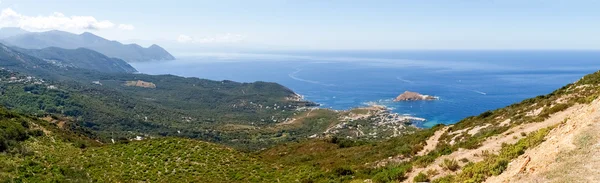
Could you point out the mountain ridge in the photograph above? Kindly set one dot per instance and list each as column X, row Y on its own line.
column 66, row 40
column 11, row 31
column 81, row 58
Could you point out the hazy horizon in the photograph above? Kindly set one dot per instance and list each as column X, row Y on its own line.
column 189, row 26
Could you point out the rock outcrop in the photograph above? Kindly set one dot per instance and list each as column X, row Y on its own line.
column 411, row 96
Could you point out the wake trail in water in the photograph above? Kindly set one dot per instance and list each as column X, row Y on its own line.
column 474, row 91
column 293, row 76
column 480, row 92
column 405, row 80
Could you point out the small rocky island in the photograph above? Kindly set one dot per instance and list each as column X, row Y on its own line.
column 412, row 96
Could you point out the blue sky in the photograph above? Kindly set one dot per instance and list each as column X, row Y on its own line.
column 321, row 24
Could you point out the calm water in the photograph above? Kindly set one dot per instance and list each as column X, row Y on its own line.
column 467, row 82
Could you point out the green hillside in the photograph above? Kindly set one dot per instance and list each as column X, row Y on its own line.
column 71, row 124
column 80, row 58
column 33, row 150
column 49, row 150
column 173, row 106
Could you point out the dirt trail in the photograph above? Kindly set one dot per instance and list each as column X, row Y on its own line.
column 432, row 141
column 296, row 119
column 493, row 144
column 571, row 153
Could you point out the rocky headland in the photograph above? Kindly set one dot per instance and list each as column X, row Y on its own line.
column 412, row 96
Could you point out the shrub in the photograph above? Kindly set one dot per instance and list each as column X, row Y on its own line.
column 432, row 172
column 11, row 133
column 421, row 178
column 557, row 108
column 423, row 161
column 343, row 171
column 392, row 173
column 345, row 143
column 486, row 114
column 450, row 164
column 445, row 179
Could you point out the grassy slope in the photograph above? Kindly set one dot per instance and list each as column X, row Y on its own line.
column 55, row 157
column 160, row 160
column 40, row 151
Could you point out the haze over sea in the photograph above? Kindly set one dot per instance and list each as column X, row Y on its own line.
column 467, row 82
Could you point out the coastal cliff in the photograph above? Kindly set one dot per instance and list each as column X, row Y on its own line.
column 411, row 96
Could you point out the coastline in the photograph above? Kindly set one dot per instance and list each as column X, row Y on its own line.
column 373, row 121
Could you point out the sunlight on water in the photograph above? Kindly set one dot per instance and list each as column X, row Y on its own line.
column 467, row 83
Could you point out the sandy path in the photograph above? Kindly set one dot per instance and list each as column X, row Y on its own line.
column 432, row 141
column 571, row 153
column 493, row 144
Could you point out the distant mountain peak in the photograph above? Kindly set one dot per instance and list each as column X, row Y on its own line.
column 11, row 31
column 54, row 32
column 89, row 34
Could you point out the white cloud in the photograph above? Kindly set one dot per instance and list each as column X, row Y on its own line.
column 184, row 39
column 220, row 38
column 126, row 27
column 57, row 20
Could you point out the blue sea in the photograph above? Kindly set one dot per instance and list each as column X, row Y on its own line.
column 467, row 82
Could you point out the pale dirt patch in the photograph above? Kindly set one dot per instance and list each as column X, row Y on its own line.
column 505, row 122
column 363, row 112
column 455, row 133
column 571, row 152
column 432, row 142
column 535, row 112
column 459, row 131
column 494, row 143
column 477, row 129
column 140, row 83
column 583, row 86
column 61, row 124
column 296, row 119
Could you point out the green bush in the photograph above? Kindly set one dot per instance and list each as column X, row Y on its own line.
column 557, row 108
column 423, row 161
column 445, row 179
column 343, row 171
column 11, row 132
column 421, row 177
column 485, row 114
column 450, row 164
column 392, row 173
